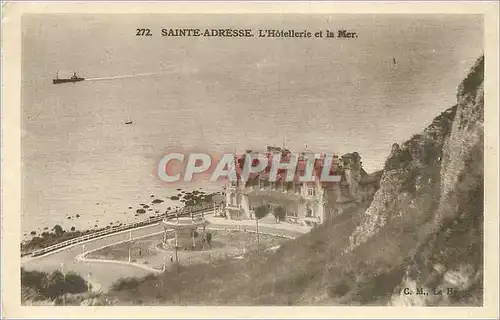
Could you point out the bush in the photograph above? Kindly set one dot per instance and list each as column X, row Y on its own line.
column 54, row 284
column 261, row 211
column 279, row 213
column 129, row 283
column 74, row 283
column 363, row 290
column 32, row 279
column 48, row 239
column 58, row 230
column 338, row 289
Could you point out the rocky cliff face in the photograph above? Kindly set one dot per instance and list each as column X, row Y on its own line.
column 432, row 186
column 460, row 156
column 451, row 260
column 410, row 180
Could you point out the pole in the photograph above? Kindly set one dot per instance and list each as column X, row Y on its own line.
column 204, row 238
column 88, row 283
column 129, row 244
column 176, row 255
column 192, row 235
column 257, row 221
column 64, row 283
column 176, row 260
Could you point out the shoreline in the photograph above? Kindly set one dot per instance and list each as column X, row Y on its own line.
column 144, row 214
column 98, row 212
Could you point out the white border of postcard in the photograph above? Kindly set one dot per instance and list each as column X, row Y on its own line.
column 11, row 151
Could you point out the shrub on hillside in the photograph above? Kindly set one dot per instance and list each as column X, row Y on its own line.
column 53, row 285
column 74, row 283
column 49, row 238
column 279, row 213
column 129, row 283
column 338, row 288
column 261, row 211
column 58, row 230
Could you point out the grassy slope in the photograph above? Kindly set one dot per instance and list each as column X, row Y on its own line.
column 309, row 269
column 279, row 278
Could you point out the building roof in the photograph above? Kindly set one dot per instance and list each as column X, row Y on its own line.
column 185, row 222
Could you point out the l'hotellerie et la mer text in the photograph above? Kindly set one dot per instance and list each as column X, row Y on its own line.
column 249, row 33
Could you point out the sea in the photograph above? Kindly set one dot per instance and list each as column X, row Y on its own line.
column 79, row 157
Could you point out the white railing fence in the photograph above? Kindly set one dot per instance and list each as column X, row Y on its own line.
column 150, row 220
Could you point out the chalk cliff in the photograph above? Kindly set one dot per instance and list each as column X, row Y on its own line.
column 432, row 188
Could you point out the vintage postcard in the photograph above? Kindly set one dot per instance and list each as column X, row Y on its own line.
column 249, row 160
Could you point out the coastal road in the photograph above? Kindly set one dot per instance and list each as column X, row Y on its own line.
column 104, row 274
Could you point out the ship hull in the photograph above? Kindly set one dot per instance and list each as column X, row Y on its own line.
column 58, row 81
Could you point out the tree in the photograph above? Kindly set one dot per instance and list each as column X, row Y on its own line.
column 74, row 283
column 53, row 284
column 260, row 212
column 209, row 239
column 73, row 229
column 279, row 213
column 58, row 230
column 32, row 279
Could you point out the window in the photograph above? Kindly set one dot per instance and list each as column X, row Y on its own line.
column 309, row 212
column 291, row 214
column 311, row 192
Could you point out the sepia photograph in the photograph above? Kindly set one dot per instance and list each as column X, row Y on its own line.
column 253, row 159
